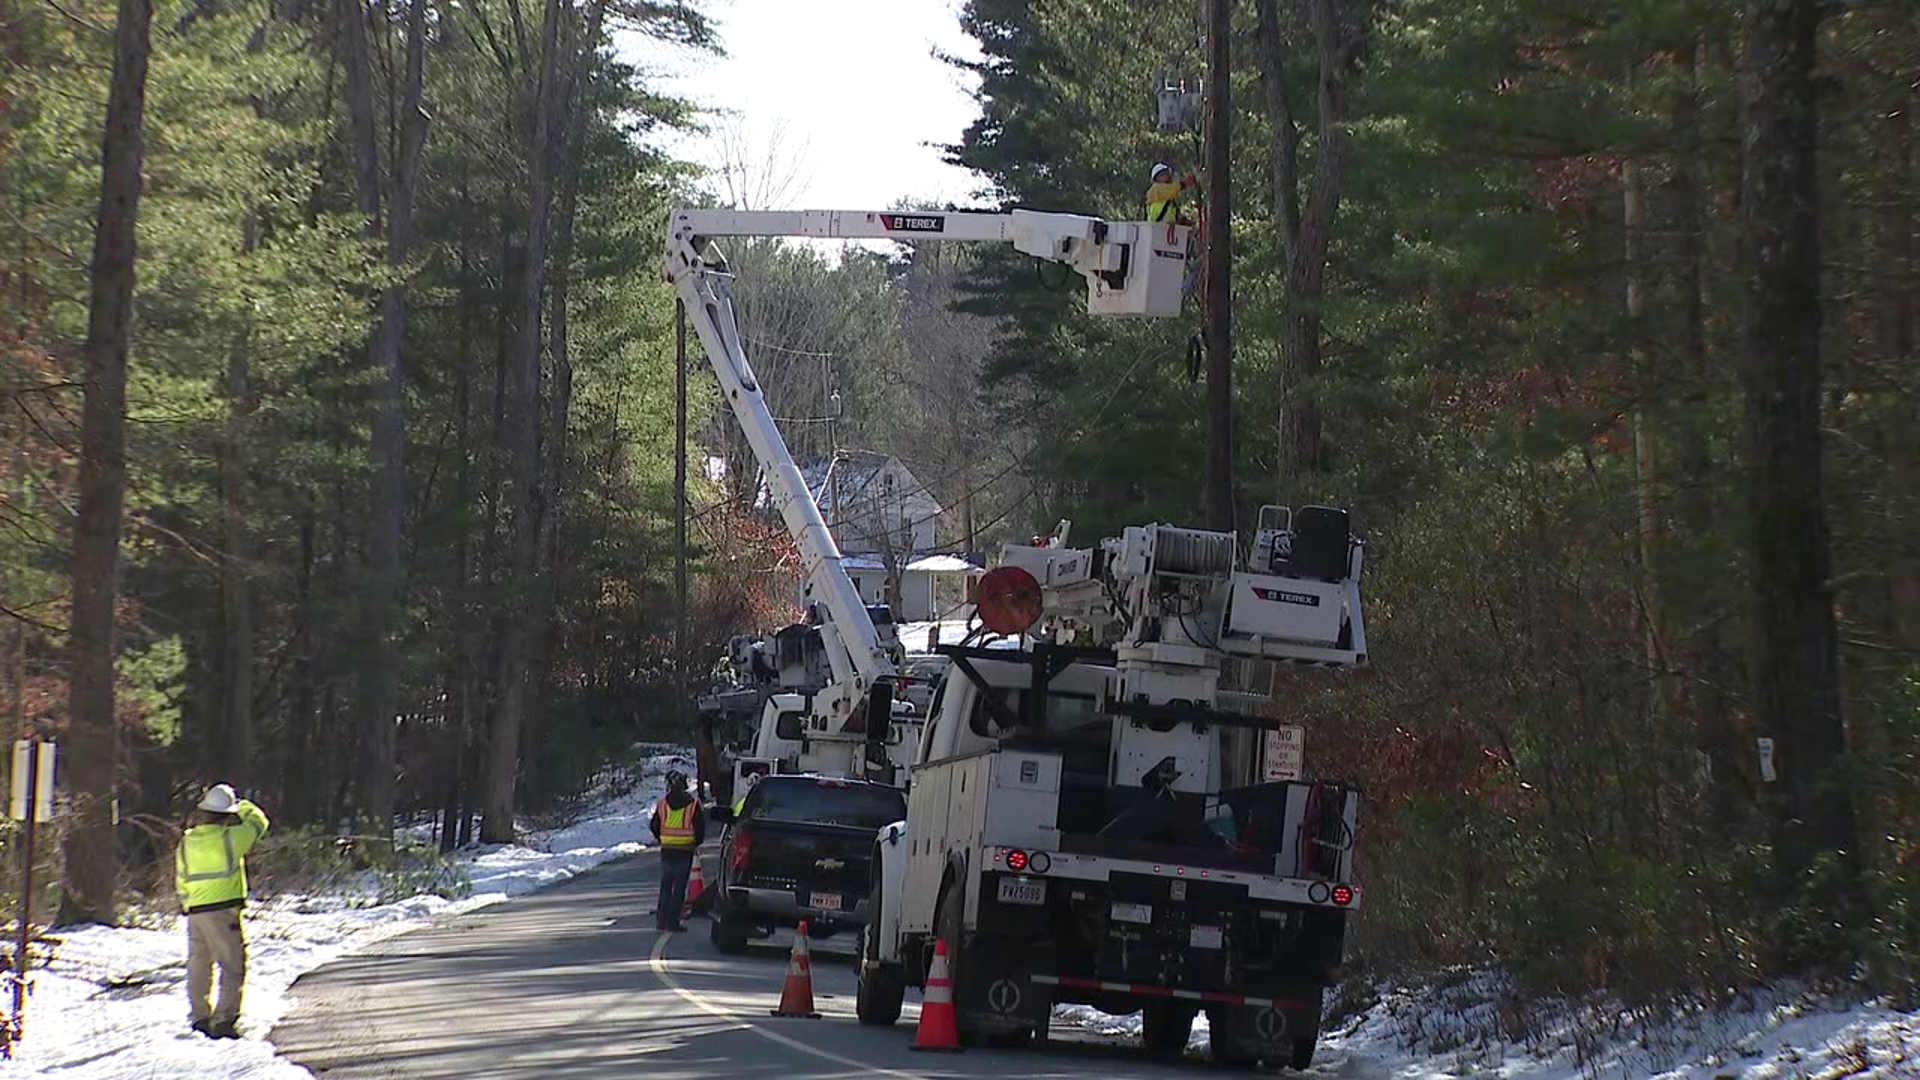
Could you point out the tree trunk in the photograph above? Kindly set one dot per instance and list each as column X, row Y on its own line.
column 1693, row 454
column 236, row 601
column 1896, row 334
column 1306, row 237
column 1796, row 651
column 299, row 790
column 517, row 639
column 91, row 865
column 561, row 398
column 462, row 592
column 386, row 582
column 1633, row 197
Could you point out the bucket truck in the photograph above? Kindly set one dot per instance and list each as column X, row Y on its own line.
column 1089, row 819
column 841, row 722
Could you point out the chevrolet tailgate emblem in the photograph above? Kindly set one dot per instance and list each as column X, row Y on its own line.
column 827, row 864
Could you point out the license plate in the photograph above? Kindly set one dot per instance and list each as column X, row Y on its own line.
column 1133, row 913
column 1022, row 891
column 1205, row 937
column 824, row 901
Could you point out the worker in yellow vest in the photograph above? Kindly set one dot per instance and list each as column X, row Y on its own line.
column 210, row 871
column 740, row 804
column 680, row 827
column 1163, row 195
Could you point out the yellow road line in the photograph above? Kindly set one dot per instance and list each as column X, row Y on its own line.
column 658, row 961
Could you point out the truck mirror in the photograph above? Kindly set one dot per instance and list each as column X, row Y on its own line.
column 880, row 711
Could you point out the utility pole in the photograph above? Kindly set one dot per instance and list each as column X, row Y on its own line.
column 1219, row 268
column 680, row 523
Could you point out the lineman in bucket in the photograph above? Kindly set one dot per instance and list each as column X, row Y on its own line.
column 210, row 871
column 680, row 827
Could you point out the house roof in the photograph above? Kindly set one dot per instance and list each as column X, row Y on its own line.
column 931, row 564
column 857, row 474
column 942, row 564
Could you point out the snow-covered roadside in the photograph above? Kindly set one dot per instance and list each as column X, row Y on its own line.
column 920, row 637
column 112, row 1006
column 1442, row 1035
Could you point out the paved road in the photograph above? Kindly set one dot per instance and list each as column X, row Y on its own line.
column 574, row 983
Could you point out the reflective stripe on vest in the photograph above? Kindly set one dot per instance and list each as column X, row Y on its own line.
column 676, row 826
column 233, row 864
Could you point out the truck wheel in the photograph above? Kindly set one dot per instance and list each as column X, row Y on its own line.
column 948, row 920
column 881, row 988
column 1233, row 1059
column 1008, row 1040
column 729, row 931
column 1303, row 1052
column 1306, row 1036
column 1222, row 1047
column 1165, row 1028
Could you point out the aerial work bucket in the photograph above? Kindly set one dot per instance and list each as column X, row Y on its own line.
column 1151, row 283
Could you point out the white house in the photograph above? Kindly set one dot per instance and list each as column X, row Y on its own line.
column 882, row 516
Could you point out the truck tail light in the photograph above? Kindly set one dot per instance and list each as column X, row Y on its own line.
column 1016, row 859
column 742, row 850
column 1343, row 895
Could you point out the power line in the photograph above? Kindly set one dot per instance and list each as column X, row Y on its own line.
column 771, row 347
column 1106, row 403
column 1112, row 396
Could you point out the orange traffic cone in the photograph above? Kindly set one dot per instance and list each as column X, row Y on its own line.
column 938, row 1027
column 796, row 998
column 696, row 888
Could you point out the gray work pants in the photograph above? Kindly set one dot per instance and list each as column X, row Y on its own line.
column 676, row 866
column 214, row 937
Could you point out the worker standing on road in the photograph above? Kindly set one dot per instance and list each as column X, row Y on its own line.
column 210, row 871
column 740, row 804
column 680, row 827
column 1163, row 195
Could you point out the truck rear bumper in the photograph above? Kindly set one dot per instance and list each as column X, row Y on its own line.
column 1071, row 984
column 784, row 908
column 997, row 995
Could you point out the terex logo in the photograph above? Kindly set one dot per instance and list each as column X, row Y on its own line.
column 913, row 222
column 1285, row 597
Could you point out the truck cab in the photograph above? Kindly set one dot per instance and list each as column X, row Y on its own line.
column 798, row 850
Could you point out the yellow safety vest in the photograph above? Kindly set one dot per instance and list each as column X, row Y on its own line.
column 1161, row 199
column 740, row 806
column 209, row 866
column 676, row 826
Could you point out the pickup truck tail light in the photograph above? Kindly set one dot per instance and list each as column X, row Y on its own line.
column 742, row 850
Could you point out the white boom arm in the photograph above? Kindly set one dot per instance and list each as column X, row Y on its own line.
column 1132, row 268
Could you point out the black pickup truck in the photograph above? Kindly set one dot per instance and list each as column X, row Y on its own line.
column 800, row 849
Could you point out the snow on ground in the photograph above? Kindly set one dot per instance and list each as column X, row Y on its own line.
column 112, row 1005
column 920, row 637
column 1444, row 1034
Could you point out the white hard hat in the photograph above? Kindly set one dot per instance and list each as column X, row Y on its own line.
column 1160, row 167
column 219, row 799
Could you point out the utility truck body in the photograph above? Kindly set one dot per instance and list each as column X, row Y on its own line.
column 1087, row 824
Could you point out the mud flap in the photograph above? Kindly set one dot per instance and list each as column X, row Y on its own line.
column 1264, row 1032
column 998, row 997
